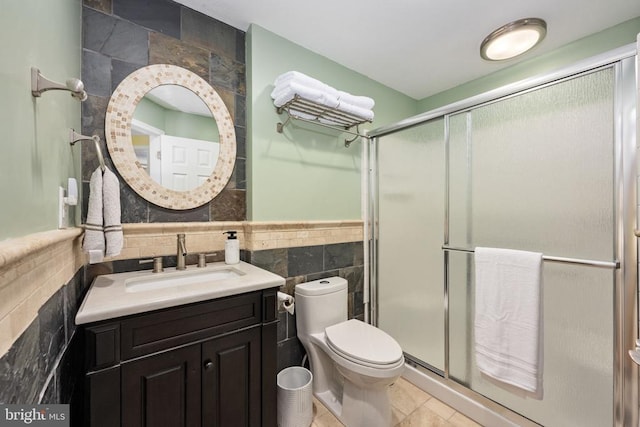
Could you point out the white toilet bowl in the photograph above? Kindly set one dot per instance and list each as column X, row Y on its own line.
column 353, row 363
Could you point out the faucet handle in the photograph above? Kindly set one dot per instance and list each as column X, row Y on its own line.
column 157, row 263
column 202, row 259
column 182, row 244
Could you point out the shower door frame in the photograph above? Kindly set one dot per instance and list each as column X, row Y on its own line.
column 625, row 310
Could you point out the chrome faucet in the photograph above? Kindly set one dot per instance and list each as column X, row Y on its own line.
column 182, row 253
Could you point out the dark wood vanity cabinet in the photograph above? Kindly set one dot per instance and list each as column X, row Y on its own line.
column 208, row 364
column 163, row 389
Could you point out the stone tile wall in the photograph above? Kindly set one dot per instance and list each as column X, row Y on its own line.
column 41, row 285
column 44, row 365
column 120, row 36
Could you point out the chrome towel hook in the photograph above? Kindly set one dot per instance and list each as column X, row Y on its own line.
column 40, row 84
column 75, row 137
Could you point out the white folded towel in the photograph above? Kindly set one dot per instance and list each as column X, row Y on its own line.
column 356, row 100
column 354, row 110
column 508, row 320
column 286, row 94
column 305, row 80
column 103, row 229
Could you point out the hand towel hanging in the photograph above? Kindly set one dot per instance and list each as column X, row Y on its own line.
column 93, row 242
column 103, row 231
column 111, row 213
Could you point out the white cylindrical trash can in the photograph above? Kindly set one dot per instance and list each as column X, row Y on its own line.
column 295, row 397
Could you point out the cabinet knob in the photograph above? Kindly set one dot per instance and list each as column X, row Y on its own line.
column 208, row 365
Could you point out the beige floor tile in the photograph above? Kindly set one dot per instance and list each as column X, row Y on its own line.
column 440, row 408
column 406, row 397
column 424, row 417
column 326, row 420
column 397, row 416
column 459, row 420
column 422, row 410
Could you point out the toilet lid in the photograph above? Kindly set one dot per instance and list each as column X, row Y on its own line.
column 362, row 342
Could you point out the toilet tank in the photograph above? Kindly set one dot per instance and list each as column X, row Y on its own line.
column 319, row 304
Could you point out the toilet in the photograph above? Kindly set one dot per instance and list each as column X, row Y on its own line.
column 352, row 362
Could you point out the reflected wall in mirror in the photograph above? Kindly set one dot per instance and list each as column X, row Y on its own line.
column 170, row 136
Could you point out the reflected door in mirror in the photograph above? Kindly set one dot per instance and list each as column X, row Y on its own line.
column 175, row 137
column 184, row 163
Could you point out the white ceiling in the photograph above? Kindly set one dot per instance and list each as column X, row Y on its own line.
column 178, row 98
column 418, row 47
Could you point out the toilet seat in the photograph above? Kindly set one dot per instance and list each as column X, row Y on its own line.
column 363, row 344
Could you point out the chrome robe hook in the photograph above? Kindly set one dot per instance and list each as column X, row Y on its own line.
column 40, row 84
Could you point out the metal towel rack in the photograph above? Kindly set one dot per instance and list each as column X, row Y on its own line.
column 589, row 262
column 75, row 137
column 321, row 115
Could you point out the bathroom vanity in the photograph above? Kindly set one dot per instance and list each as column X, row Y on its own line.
column 210, row 361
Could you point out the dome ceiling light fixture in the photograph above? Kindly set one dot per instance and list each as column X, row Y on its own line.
column 513, row 39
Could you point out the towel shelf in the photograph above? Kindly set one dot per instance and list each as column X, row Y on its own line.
column 588, row 262
column 321, row 115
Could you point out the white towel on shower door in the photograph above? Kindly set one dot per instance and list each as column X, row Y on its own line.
column 508, row 319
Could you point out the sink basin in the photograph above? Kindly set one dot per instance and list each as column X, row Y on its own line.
column 123, row 294
column 155, row 281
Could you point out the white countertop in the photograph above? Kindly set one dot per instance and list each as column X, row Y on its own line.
column 109, row 297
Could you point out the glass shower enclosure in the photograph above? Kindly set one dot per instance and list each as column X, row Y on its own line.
column 547, row 167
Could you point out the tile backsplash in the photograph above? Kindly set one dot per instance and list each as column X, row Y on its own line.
column 41, row 285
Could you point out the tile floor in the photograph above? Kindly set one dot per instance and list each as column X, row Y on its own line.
column 412, row 407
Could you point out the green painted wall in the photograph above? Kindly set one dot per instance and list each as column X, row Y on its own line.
column 305, row 173
column 584, row 48
column 176, row 123
column 36, row 156
column 150, row 113
column 191, row 126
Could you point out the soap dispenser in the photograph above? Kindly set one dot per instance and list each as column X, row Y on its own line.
column 231, row 248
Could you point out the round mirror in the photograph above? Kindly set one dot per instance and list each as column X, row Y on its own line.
column 170, row 136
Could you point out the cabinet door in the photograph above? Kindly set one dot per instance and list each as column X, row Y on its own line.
column 102, row 398
column 231, row 381
column 162, row 390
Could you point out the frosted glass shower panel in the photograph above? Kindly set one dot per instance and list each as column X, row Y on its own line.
column 536, row 172
column 411, row 187
column 460, row 174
